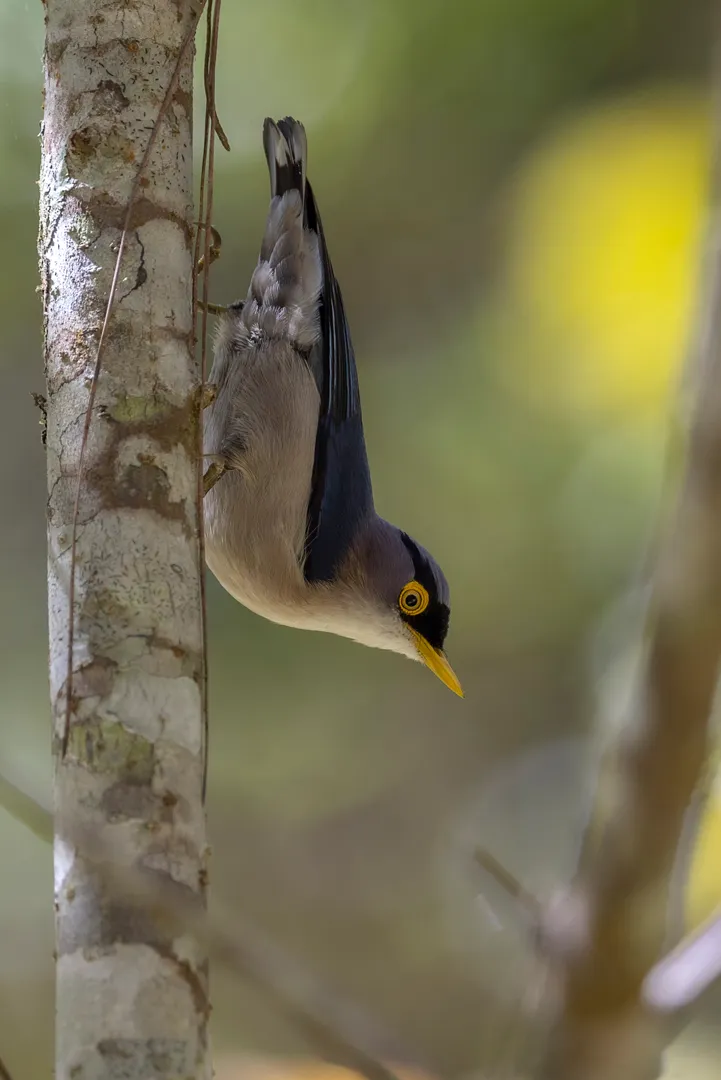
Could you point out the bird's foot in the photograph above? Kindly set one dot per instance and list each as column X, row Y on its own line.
column 213, row 253
column 212, row 475
column 212, row 309
column 208, row 394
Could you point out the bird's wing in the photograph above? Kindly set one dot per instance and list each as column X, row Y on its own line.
column 341, row 497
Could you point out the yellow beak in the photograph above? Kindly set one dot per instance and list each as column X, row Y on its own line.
column 436, row 660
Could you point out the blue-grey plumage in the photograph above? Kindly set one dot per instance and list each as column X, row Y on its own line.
column 291, row 527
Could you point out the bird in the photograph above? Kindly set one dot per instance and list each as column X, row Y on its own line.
column 291, row 529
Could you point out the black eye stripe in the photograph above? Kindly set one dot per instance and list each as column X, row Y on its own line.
column 422, row 572
column 433, row 622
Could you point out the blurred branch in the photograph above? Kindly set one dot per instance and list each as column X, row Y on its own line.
column 511, row 886
column 338, row 1031
column 4, row 1071
column 25, row 810
column 688, row 971
column 612, row 927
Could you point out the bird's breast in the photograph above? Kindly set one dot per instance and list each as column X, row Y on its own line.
column 263, row 423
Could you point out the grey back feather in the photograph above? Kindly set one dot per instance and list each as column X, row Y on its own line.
column 282, row 300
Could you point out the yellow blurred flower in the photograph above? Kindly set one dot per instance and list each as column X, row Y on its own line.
column 604, row 251
column 703, row 894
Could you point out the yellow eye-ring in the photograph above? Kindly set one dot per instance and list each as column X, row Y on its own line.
column 413, row 599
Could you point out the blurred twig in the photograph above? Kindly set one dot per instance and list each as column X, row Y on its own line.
column 688, row 971
column 4, row 1071
column 621, row 895
column 25, row 810
column 338, row 1031
column 202, row 263
column 525, row 900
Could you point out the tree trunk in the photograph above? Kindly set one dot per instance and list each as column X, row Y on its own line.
column 131, row 998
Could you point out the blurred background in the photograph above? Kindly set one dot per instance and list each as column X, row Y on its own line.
column 513, row 192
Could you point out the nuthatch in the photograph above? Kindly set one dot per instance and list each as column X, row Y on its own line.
column 291, row 529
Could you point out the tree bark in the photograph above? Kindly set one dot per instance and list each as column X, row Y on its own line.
column 131, row 998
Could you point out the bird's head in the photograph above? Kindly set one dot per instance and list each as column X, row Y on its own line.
column 406, row 601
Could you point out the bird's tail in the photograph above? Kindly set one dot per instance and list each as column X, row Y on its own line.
column 283, row 296
column 286, row 151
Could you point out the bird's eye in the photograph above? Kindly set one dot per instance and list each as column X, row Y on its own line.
column 413, row 599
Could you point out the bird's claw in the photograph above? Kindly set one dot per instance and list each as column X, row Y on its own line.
column 213, row 251
column 212, row 475
column 208, row 394
column 212, row 309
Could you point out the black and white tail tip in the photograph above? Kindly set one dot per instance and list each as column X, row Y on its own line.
column 286, row 150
